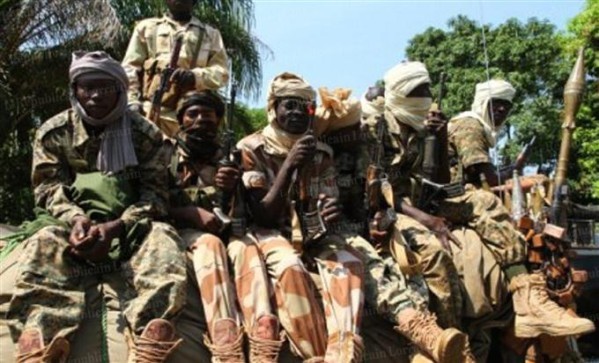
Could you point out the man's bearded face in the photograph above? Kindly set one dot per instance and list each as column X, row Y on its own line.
column 98, row 97
column 499, row 109
column 292, row 115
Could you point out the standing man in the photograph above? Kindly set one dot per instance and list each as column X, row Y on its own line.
column 100, row 169
column 202, row 60
column 286, row 172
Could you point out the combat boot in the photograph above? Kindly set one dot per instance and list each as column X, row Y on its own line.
column 441, row 345
column 155, row 343
column 344, row 347
column 31, row 348
column 227, row 342
column 537, row 314
column 265, row 341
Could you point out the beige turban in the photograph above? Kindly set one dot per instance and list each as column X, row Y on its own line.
column 117, row 149
column 399, row 82
column 485, row 91
column 374, row 107
column 285, row 84
column 337, row 111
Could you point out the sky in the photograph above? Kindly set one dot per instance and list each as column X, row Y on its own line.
column 352, row 43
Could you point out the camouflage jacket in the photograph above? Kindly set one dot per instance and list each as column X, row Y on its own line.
column 202, row 52
column 402, row 157
column 63, row 148
column 260, row 170
column 193, row 183
column 467, row 146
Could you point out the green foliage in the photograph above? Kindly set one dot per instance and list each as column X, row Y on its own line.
column 537, row 61
column 583, row 31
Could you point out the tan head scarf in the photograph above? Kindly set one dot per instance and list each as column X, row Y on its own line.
column 279, row 142
column 117, row 150
column 485, row 91
column 399, row 82
column 337, row 111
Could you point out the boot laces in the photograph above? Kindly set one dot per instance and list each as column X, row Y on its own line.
column 545, row 300
column 264, row 350
column 147, row 350
column 424, row 329
column 35, row 354
column 228, row 353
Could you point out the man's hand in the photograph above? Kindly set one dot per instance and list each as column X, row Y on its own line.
column 226, row 178
column 302, row 152
column 101, row 236
column 440, row 228
column 80, row 237
column 205, row 220
column 184, row 79
column 376, row 234
column 435, row 121
column 330, row 208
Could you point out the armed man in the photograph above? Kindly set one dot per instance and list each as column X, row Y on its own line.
column 407, row 102
column 483, row 212
column 201, row 180
column 290, row 181
column 160, row 72
column 100, row 171
column 394, row 285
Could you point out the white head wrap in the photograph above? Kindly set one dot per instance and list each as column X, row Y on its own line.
column 336, row 111
column 374, row 107
column 117, row 150
column 485, row 91
column 399, row 82
column 284, row 85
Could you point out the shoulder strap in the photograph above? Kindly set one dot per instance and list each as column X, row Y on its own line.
column 196, row 52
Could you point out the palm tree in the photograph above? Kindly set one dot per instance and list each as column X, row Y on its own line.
column 37, row 38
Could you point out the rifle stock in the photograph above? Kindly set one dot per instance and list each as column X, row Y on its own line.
column 165, row 81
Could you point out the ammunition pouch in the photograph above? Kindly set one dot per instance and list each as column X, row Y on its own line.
column 152, row 74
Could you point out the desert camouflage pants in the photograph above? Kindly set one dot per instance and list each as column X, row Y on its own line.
column 438, row 269
column 214, row 281
column 252, row 283
column 300, row 313
column 483, row 212
column 386, row 287
column 49, row 292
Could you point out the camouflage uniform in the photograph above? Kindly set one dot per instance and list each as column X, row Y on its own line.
column 150, row 50
column 338, row 265
column 49, row 293
column 196, row 186
column 480, row 210
column 401, row 161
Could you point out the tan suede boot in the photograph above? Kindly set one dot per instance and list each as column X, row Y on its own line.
column 344, row 347
column 155, row 343
column 227, row 342
column 31, row 348
column 442, row 346
column 537, row 314
column 265, row 341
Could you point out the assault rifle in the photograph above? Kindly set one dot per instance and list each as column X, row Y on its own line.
column 231, row 209
column 379, row 194
column 165, row 81
column 435, row 182
column 309, row 206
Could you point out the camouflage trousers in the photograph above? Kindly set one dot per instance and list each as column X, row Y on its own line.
column 438, row 269
column 49, row 292
column 483, row 212
column 215, row 284
column 300, row 313
column 386, row 288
